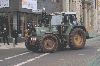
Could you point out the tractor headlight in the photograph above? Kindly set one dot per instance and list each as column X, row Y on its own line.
column 33, row 38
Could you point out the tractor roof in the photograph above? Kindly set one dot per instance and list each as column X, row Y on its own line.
column 63, row 13
column 69, row 12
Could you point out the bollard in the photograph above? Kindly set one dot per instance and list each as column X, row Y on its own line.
column 14, row 42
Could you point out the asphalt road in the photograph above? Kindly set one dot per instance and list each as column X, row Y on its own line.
column 89, row 56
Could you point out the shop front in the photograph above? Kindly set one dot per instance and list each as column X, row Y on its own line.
column 20, row 21
column 16, row 13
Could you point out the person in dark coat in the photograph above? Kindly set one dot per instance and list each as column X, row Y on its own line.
column 5, row 35
column 15, row 35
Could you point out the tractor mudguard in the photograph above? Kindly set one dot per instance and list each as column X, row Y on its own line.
column 82, row 27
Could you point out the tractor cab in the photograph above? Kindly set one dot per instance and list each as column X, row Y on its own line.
column 63, row 21
column 70, row 17
column 61, row 18
column 64, row 17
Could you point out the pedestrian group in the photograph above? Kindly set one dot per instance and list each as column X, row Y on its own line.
column 5, row 35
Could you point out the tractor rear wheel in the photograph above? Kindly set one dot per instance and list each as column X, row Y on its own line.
column 49, row 43
column 77, row 39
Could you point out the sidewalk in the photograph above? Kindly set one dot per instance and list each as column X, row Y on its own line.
column 93, row 39
column 22, row 44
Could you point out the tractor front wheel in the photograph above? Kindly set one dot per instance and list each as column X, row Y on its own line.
column 77, row 39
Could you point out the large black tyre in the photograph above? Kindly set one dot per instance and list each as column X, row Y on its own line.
column 30, row 47
column 77, row 38
column 49, row 43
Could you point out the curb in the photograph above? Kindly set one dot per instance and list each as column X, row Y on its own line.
column 93, row 39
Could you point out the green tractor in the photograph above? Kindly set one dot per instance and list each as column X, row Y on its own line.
column 56, row 31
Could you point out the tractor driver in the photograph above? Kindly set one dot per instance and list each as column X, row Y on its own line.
column 73, row 19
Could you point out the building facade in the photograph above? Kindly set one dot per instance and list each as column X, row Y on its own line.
column 16, row 15
column 19, row 12
column 98, row 15
column 91, row 17
column 50, row 5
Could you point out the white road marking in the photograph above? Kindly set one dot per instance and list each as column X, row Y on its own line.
column 98, row 50
column 1, row 60
column 62, row 59
column 81, row 54
column 22, row 63
column 16, row 55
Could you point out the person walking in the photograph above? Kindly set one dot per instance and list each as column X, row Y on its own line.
column 5, row 35
column 15, row 35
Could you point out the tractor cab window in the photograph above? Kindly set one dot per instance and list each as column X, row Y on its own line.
column 56, row 20
column 73, row 19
